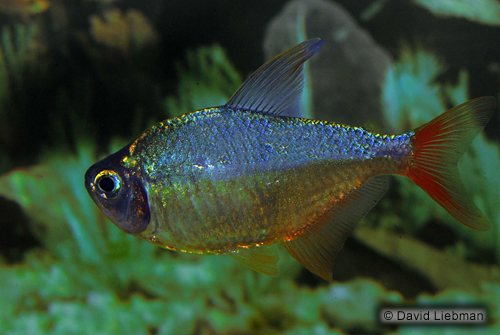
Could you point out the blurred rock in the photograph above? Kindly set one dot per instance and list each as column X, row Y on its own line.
column 348, row 74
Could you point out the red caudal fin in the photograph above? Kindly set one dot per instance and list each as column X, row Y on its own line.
column 437, row 146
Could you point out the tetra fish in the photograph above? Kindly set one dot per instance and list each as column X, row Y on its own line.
column 241, row 177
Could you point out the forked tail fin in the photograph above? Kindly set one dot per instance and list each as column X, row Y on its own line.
column 437, row 146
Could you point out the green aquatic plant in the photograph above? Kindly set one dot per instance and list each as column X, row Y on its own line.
column 18, row 55
column 413, row 96
column 126, row 33
column 317, row 329
column 482, row 11
column 208, row 79
column 4, row 77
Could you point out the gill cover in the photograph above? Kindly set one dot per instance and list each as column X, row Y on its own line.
column 119, row 192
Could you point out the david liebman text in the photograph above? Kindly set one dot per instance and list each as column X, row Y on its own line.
column 433, row 315
column 441, row 315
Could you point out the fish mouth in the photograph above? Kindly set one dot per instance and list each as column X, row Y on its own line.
column 89, row 182
column 91, row 189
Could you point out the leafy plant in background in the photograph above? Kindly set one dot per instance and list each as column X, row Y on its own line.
column 19, row 56
column 132, row 32
column 208, row 79
column 482, row 11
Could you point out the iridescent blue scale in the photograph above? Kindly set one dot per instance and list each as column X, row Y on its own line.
column 204, row 144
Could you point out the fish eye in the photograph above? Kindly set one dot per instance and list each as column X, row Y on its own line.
column 108, row 183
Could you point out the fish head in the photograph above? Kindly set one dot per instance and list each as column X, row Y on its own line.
column 118, row 190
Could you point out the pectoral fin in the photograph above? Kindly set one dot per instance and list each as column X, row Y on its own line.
column 261, row 259
column 316, row 247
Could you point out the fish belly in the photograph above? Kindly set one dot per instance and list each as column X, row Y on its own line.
column 225, row 215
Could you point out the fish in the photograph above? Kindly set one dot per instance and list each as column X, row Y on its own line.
column 24, row 6
column 241, row 178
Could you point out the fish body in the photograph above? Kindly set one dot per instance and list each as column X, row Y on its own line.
column 222, row 179
column 241, row 177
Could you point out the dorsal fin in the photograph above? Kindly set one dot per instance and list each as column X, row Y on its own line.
column 318, row 245
column 261, row 259
column 277, row 85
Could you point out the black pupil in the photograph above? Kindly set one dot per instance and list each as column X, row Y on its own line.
column 107, row 184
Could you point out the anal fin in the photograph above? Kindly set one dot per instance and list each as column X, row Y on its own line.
column 261, row 259
column 316, row 247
